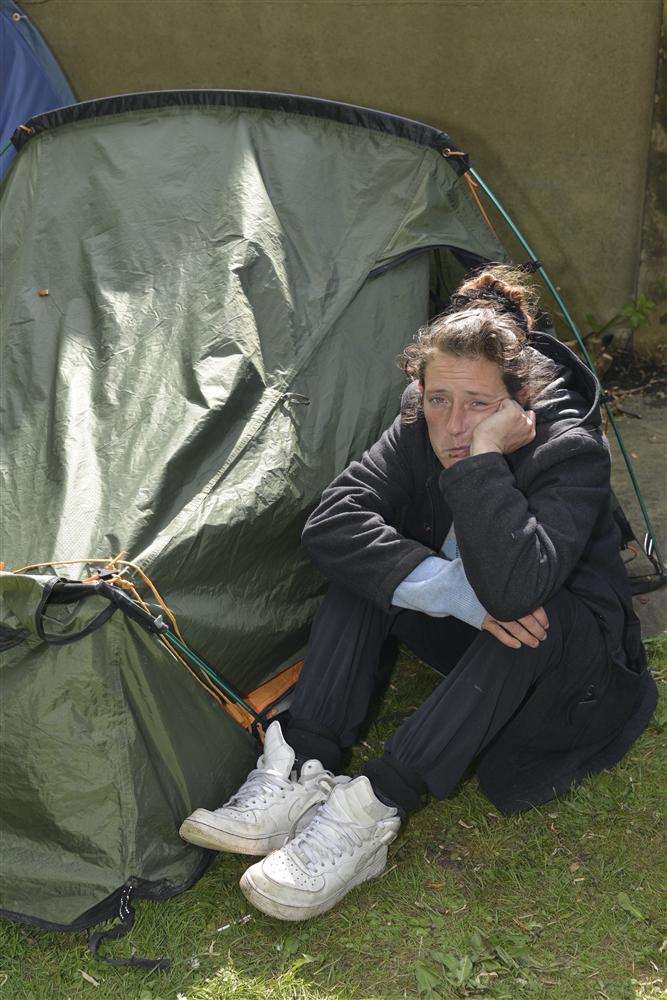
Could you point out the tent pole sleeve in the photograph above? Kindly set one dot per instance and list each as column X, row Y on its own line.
column 575, row 330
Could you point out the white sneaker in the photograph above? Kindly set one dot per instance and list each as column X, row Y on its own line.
column 343, row 845
column 269, row 808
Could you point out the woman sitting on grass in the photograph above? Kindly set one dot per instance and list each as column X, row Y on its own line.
column 479, row 531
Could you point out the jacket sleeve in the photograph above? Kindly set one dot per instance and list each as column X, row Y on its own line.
column 353, row 536
column 439, row 587
column 518, row 550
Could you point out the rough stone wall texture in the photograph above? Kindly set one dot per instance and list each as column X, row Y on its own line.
column 552, row 99
column 652, row 277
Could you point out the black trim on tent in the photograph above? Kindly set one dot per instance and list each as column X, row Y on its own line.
column 108, row 907
column 117, row 906
column 467, row 258
column 313, row 107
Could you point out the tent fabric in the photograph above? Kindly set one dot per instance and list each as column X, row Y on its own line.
column 193, row 346
column 195, row 274
column 106, row 744
column 31, row 80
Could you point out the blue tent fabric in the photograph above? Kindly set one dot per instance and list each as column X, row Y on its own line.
column 31, row 81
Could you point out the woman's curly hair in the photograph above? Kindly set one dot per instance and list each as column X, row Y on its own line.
column 491, row 315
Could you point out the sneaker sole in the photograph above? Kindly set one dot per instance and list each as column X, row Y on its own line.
column 203, row 835
column 286, row 911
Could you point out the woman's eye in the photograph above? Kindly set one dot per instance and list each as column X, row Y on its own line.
column 478, row 404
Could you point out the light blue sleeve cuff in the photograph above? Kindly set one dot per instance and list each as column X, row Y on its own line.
column 439, row 587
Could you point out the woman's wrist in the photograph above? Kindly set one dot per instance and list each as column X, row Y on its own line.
column 483, row 447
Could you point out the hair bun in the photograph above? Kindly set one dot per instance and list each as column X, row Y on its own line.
column 504, row 286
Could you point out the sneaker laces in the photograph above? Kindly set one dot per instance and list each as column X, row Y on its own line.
column 259, row 788
column 325, row 839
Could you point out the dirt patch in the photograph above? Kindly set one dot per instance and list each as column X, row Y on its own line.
column 629, row 373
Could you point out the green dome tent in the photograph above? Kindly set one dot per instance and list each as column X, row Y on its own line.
column 204, row 294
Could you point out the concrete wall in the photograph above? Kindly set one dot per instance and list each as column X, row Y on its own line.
column 551, row 98
column 652, row 276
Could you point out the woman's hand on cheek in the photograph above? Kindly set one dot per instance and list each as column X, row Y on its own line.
column 508, row 429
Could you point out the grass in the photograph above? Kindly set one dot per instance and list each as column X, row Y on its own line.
column 562, row 902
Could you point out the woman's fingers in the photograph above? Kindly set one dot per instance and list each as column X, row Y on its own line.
column 495, row 629
column 541, row 616
column 520, row 632
column 533, row 625
column 507, row 429
column 527, row 631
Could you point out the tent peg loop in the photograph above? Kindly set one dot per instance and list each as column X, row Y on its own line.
column 464, row 158
column 125, row 916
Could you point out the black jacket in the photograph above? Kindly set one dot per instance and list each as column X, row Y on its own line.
column 526, row 524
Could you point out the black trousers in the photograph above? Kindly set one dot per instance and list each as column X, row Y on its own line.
column 534, row 720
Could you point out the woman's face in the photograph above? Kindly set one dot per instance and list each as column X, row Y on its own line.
column 458, row 393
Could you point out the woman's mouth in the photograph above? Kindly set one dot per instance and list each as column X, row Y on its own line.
column 458, row 452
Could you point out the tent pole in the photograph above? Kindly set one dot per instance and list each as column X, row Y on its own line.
column 570, row 322
column 215, row 677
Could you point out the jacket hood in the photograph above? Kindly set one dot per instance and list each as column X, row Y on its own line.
column 574, row 392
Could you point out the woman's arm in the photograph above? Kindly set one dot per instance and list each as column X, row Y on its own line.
column 440, row 588
column 518, row 550
column 353, row 535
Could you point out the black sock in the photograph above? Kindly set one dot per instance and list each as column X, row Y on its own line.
column 312, row 741
column 395, row 784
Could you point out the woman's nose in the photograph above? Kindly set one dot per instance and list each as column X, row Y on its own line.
column 456, row 421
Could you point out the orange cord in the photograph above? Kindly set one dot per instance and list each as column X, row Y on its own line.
column 472, row 187
column 125, row 584
column 238, row 713
column 110, row 564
